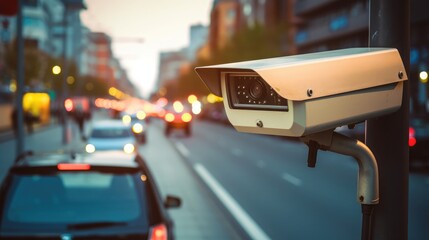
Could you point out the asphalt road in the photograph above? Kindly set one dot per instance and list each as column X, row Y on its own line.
column 265, row 184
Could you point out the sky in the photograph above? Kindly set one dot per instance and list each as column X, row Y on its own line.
column 141, row 29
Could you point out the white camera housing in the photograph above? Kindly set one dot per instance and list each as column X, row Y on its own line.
column 309, row 93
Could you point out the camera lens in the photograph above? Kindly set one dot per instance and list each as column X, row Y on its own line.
column 256, row 90
column 249, row 91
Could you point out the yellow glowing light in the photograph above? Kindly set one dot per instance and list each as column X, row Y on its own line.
column 423, row 76
column 56, row 69
column 141, row 115
column 143, row 177
column 192, row 98
column 70, row 80
column 211, row 98
column 129, row 148
column 137, row 128
column 178, row 106
column 112, row 91
column 126, row 119
column 186, row 117
column 169, row 117
column 12, row 86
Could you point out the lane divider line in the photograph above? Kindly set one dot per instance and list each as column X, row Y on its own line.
column 182, row 149
column 291, row 179
column 248, row 224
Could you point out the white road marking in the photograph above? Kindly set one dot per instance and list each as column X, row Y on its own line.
column 248, row 224
column 182, row 149
column 291, row 179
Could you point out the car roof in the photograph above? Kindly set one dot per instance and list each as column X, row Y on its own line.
column 109, row 123
column 102, row 158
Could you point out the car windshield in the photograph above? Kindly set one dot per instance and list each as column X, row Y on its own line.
column 69, row 198
column 111, row 133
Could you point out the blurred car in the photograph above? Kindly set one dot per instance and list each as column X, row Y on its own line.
column 178, row 116
column 418, row 142
column 111, row 135
column 105, row 195
column 137, row 122
column 215, row 112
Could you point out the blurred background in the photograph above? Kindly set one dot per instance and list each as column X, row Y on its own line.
column 149, row 50
column 103, row 58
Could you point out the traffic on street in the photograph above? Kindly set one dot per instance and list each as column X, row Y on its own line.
column 214, row 119
column 247, row 186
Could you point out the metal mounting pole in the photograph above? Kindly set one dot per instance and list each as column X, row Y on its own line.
column 368, row 181
column 368, row 191
column 387, row 136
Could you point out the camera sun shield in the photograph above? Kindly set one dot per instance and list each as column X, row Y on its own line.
column 304, row 94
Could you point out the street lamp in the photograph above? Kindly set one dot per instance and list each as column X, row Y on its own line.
column 56, row 70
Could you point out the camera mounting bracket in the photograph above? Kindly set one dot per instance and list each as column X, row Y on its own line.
column 368, row 183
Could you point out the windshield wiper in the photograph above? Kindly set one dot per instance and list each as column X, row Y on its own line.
column 92, row 225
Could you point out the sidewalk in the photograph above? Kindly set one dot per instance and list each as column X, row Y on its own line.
column 48, row 138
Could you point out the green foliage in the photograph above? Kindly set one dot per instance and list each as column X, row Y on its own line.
column 38, row 69
column 248, row 44
column 91, row 87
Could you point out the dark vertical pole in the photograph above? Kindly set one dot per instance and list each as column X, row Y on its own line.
column 20, row 144
column 64, row 76
column 388, row 136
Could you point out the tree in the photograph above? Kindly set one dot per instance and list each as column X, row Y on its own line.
column 248, row 44
column 37, row 65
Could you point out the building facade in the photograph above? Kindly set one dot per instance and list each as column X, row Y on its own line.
column 331, row 24
column 170, row 65
column 198, row 34
column 224, row 23
column 335, row 24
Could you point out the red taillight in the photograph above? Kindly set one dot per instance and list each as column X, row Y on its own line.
column 411, row 137
column 68, row 104
column 411, row 132
column 169, row 117
column 412, row 141
column 158, row 232
column 73, row 166
column 186, row 117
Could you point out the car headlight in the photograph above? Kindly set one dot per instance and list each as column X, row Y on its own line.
column 141, row 115
column 126, row 119
column 129, row 148
column 137, row 128
column 89, row 148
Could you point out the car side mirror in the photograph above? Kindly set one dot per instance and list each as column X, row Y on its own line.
column 172, row 202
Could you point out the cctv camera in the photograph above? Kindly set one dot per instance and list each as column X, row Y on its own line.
column 309, row 93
